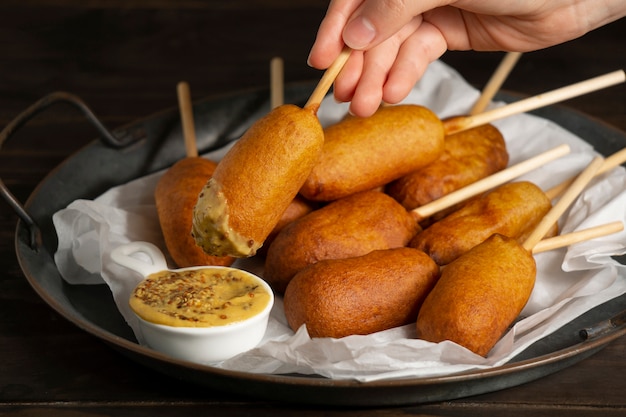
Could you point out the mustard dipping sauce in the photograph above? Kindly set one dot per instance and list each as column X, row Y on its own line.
column 204, row 297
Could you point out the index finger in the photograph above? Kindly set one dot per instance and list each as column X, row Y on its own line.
column 329, row 42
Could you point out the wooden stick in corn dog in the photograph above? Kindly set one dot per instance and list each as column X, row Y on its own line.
column 610, row 162
column 461, row 123
column 490, row 182
column 578, row 236
column 186, row 116
column 277, row 85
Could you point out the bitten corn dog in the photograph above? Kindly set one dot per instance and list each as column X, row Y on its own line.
column 260, row 176
column 256, row 180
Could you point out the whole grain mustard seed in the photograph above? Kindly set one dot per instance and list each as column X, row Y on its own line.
column 198, row 298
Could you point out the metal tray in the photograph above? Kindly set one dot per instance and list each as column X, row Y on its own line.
column 157, row 143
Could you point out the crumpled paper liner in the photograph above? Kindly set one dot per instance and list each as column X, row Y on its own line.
column 569, row 281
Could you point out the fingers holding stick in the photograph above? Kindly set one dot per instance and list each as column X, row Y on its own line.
column 328, row 78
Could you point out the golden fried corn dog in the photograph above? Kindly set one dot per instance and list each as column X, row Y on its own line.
column 175, row 195
column 479, row 295
column 467, row 157
column 256, row 181
column 511, row 210
column 348, row 227
column 364, row 153
column 299, row 207
column 360, row 295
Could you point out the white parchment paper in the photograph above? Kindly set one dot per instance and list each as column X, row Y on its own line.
column 569, row 281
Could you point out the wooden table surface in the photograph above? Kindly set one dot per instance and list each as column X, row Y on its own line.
column 124, row 59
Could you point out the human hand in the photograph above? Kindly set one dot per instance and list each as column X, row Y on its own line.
column 395, row 40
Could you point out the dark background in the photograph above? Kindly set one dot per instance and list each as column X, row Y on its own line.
column 124, row 58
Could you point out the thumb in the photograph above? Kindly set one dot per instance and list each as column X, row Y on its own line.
column 377, row 20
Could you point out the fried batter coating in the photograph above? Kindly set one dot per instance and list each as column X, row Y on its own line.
column 510, row 210
column 479, row 295
column 467, row 157
column 361, row 295
column 256, row 181
column 364, row 153
column 175, row 195
column 351, row 226
column 299, row 207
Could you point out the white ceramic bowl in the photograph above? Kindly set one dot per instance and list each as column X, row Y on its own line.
column 195, row 344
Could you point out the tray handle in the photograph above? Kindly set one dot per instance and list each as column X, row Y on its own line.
column 118, row 140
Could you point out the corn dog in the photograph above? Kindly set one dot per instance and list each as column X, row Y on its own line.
column 360, row 154
column 478, row 295
column 175, row 195
column 510, row 210
column 256, row 181
column 467, row 157
column 261, row 174
column 360, row 295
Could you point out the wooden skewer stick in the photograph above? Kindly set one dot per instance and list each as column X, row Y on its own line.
column 186, row 115
column 328, row 78
column 495, row 82
column 277, row 87
column 490, row 182
column 567, row 239
column 564, row 202
column 610, row 162
column 459, row 124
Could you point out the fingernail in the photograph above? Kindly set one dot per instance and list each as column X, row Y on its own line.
column 359, row 33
